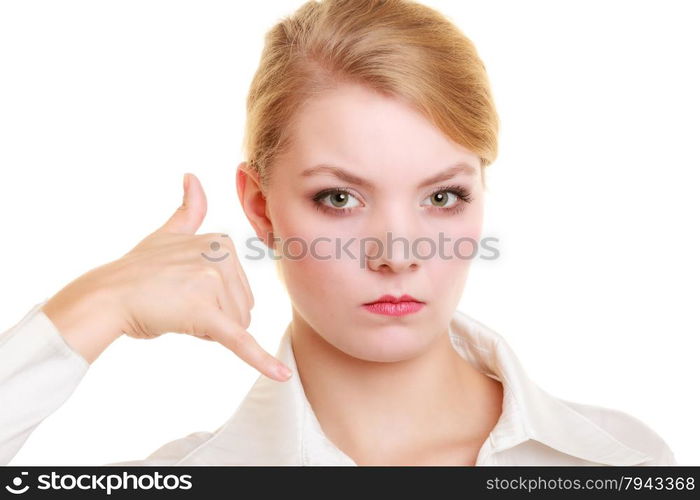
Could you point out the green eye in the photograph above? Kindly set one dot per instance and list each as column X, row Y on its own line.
column 440, row 198
column 340, row 201
column 338, row 198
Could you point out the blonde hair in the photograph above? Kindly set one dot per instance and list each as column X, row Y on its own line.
column 396, row 47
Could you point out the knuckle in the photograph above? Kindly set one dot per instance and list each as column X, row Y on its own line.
column 225, row 241
column 209, row 274
column 217, row 249
column 228, row 243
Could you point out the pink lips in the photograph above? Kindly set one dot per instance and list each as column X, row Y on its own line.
column 392, row 306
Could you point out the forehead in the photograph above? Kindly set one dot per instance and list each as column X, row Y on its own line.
column 360, row 129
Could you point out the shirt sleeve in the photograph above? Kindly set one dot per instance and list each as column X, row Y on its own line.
column 38, row 373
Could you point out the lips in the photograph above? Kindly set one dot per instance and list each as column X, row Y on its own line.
column 394, row 300
column 388, row 305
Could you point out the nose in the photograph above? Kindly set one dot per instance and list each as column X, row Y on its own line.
column 392, row 247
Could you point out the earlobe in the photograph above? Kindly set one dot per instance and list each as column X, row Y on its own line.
column 253, row 202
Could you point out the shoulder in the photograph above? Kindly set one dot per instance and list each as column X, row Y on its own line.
column 627, row 429
column 172, row 452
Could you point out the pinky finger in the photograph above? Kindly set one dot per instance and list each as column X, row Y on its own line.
column 233, row 336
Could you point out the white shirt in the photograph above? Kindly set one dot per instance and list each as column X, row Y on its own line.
column 275, row 424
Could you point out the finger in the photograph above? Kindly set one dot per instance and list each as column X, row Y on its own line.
column 226, row 305
column 188, row 216
column 232, row 300
column 242, row 281
column 243, row 278
column 230, row 294
column 232, row 336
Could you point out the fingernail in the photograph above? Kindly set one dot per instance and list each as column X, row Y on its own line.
column 284, row 372
column 185, row 182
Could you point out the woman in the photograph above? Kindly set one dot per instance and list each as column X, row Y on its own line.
column 369, row 123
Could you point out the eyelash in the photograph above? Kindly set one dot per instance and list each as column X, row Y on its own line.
column 462, row 194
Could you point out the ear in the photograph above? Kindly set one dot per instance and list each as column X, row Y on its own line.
column 253, row 202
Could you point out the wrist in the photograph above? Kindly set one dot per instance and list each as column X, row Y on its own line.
column 87, row 322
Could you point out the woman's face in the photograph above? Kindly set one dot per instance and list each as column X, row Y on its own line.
column 333, row 225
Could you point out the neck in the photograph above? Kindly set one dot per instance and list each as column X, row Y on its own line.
column 435, row 407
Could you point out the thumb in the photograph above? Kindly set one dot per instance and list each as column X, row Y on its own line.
column 188, row 216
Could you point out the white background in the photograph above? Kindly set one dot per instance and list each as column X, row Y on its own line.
column 104, row 106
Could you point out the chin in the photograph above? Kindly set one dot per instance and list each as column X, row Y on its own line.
column 386, row 344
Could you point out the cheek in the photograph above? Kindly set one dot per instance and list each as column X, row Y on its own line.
column 316, row 274
column 322, row 291
column 455, row 242
column 465, row 236
column 456, row 245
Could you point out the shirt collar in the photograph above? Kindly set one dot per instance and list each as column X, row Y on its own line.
column 275, row 424
column 529, row 412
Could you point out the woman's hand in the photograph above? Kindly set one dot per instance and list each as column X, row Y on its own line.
column 172, row 281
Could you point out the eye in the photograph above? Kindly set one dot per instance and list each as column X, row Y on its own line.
column 339, row 201
column 450, row 198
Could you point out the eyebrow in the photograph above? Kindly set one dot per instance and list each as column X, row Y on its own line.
column 344, row 175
